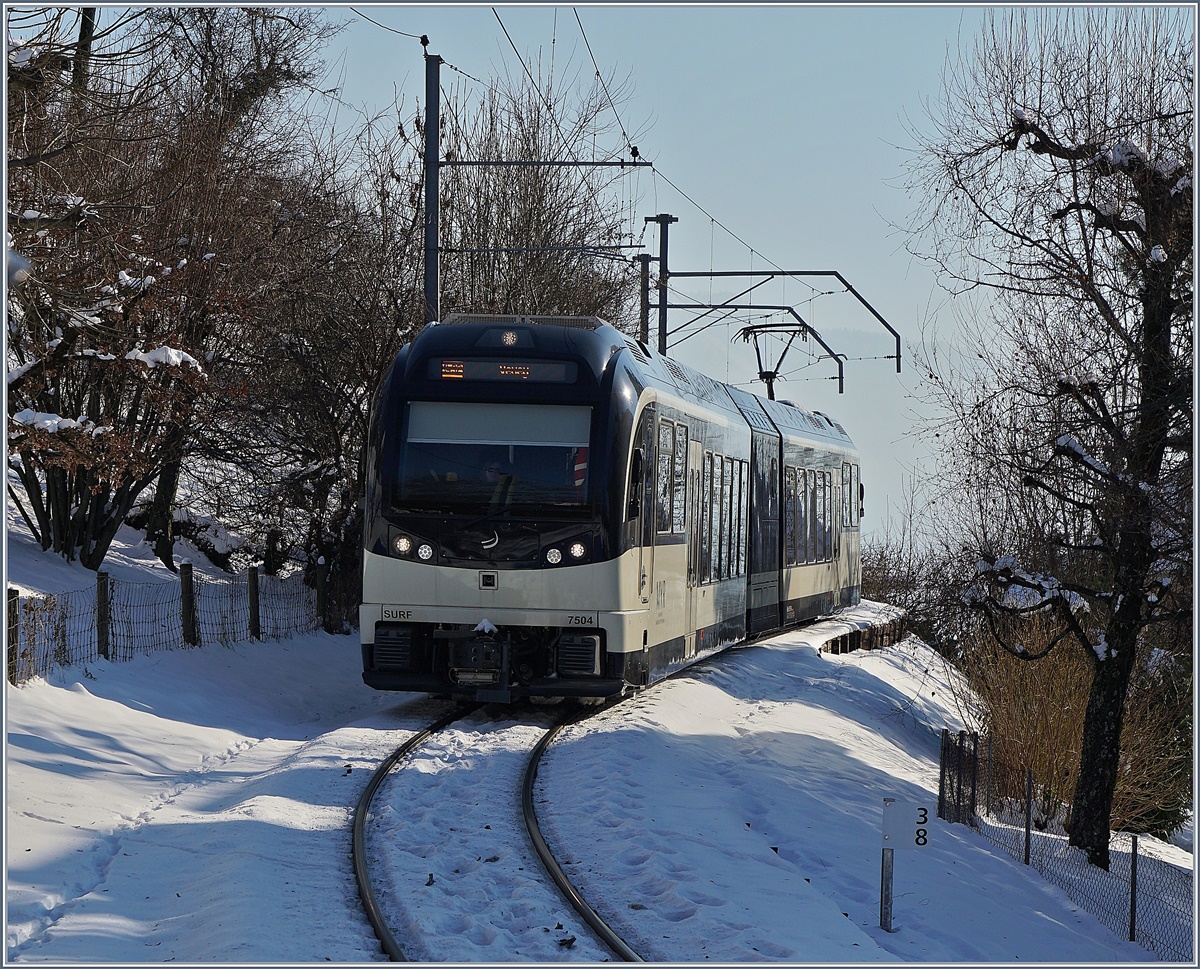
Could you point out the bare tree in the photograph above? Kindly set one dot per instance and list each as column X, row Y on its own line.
column 529, row 238
column 294, row 440
column 1057, row 182
column 231, row 73
column 291, row 437
column 144, row 189
column 95, row 375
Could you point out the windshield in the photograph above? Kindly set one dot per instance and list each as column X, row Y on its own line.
column 486, row 457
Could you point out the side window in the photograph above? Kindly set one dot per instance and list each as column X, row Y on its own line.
column 789, row 516
column 640, row 467
column 666, row 463
column 845, row 496
column 820, row 516
column 811, row 515
column 743, row 508
column 726, row 515
column 802, row 530
column 679, row 500
column 720, row 503
column 854, row 506
column 828, row 515
column 706, row 504
column 647, row 441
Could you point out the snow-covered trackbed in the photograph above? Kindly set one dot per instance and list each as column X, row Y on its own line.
column 421, row 847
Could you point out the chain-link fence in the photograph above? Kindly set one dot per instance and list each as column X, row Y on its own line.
column 143, row 617
column 1141, row 898
column 119, row 620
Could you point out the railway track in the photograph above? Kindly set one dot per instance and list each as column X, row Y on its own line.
column 515, row 897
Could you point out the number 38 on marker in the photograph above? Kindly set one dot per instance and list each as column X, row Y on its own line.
column 905, row 824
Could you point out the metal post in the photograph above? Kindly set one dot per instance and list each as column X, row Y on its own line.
column 1133, row 892
column 991, row 766
column 644, row 316
column 187, row 590
column 102, row 617
column 942, row 774
column 974, row 778
column 1028, row 809
column 885, row 891
column 885, row 880
column 252, row 597
column 959, row 759
column 663, row 221
column 14, row 612
column 432, row 162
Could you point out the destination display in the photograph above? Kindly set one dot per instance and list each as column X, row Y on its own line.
column 532, row 371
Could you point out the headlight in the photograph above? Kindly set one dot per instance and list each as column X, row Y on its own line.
column 553, row 556
column 578, row 550
column 425, row 552
column 402, row 545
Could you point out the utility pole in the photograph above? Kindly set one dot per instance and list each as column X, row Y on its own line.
column 644, row 316
column 663, row 221
column 433, row 63
column 433, row 164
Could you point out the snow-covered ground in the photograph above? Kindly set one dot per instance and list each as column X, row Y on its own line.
column 194, row 806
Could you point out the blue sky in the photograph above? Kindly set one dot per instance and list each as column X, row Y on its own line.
column 786, row 127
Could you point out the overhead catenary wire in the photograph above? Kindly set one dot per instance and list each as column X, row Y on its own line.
column 628, row 144
column 656, row 171
column 567, row 143
column 393, row 30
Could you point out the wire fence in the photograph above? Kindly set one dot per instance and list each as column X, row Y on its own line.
column 1141, row 898
column 120, row 620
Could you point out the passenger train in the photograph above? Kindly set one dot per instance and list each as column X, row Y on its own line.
column 553, row 509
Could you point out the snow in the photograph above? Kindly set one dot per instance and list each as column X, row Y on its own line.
column 165, row 357
column 194, row 805
column 53, row 423
column 19, row 55
column 1126, row 153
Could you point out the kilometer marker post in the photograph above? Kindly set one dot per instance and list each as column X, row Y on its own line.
column 905, row 825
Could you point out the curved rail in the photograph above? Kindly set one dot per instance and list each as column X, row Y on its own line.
column 586, row 912
column 386, row 939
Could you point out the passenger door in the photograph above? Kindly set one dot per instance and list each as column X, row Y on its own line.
column 691, row 612
column 645, row 439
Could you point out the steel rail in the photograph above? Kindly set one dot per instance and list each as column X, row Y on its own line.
column 390, row 947
column 586, row 912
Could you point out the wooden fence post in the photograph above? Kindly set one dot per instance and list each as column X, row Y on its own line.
column 187, row 589
column 14, row 625
column 252, row 596
column 102, row 616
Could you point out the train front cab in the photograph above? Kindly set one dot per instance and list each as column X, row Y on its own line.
column 500, row 596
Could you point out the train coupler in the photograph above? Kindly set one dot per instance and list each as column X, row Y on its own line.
column 481, row 663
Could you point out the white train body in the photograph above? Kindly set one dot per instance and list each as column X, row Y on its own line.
column 640, row 515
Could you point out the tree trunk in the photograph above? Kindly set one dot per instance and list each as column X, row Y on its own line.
column 83, row 50
column 1101, row 754
column 1100, row 758
column 275, row 556
column 160, row 518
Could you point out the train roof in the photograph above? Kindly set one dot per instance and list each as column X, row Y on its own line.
column 784, row 415
column 689, row 383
